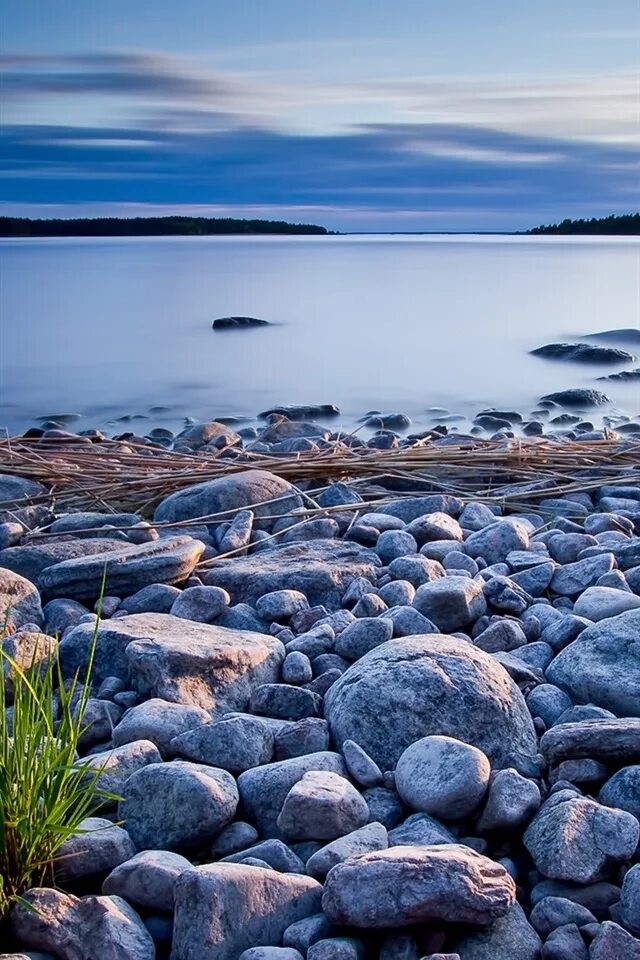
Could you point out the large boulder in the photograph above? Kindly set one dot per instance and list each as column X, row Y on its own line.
column 19, row 601
column 602, row 665
column 123, row 571
column 178, row 660
column 266, row 495
column 222, row 909
column 417, row 686
column 30, row 559
column 321, row 570
column 407, row 885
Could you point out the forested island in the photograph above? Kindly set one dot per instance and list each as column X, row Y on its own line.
column 628, row 223
column 151, row 227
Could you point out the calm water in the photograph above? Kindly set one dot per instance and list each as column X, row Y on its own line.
column 110, row 327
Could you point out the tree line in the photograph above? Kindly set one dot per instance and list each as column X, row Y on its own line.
column 628, row 223
column 150, row 227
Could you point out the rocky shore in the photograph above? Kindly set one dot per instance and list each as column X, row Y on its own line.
column 394, row 720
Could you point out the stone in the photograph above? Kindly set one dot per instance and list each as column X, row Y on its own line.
column 233, row 838
column 122, row 571
column 178, row 805
column 156, row 598
column 26, row 650
column 583, row 353
column 310, row 735
column 205, row 665
column 494, row 542
column 31, row 559
column 548, row 702
column 297, row 668
column 560, row 838
column 158, row 721
column 117, row 764
column 93, row 850
column 406, row 885
column 284, row 701
column 362, row 636
column 419, row 686
column 602, row 665
column 263, row 789
column 552, row 912
column 321, row 569
column 443, row 777
column 336, row 948
column 80, row 929
column 281, row 605
column 451, row 602
column 408, row 622
column 147, row 879
column 274, row 853
column 613, row 943
column 506, row 596
column 19, row 601
column 223, row 909
column 372, row 836
column 434, row 526
column 416, row 570
column 501, row 635
column 234, row 744
column 303, row 933
column 576, row 397
column 420, row 829
column 321, row 806
column 512, row 802
column 410, row 508
column 202, row 604
column 510, row 937
column 622, row 790
column 360, row 765
column 270, row 953
column 596, row 897
column 217, row 500
column 393, row 544
column 630, row 899
column 601, row 603
column 599, row 739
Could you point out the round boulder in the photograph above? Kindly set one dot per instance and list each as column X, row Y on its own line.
column 443, row 777
column 430, row 684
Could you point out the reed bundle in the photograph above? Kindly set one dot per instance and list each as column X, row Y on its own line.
column 112, row 476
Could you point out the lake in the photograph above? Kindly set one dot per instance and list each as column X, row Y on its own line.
column 112, row 327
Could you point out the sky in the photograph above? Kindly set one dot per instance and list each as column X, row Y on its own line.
column 355, row 114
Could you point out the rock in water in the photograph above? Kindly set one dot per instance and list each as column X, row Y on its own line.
column 417, row 686
column 238, row 323
column 582, row 353
column 177, row 660
column 321, row 569
column 127, row 570
column 602, row 665
column 405, row 885
column 578, row 397
column 222, row 909
column 263, row 492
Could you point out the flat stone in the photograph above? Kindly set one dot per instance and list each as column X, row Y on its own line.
column 235, row 744
column 223, row 909
column 128, row 569
column 406, row 885
column 598, row 739
column 178, row 660
column 31, row 559
column 321, row 569
column 602, row 603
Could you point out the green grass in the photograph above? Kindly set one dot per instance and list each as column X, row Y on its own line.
column 44, row 793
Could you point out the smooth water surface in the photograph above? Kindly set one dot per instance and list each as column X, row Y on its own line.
column 109, row 327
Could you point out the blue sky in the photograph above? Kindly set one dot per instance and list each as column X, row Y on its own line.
column 358, row 114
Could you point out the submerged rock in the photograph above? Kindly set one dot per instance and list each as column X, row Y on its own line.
column 238, row 323
column 577, row 397
column 582, row 353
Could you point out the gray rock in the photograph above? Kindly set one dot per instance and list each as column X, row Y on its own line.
column 373, row 836
column 30, row 560
column 233, row 838
column 303, row 933
column 385, row 806
column 238, row 535
column 336, row 948
column 147, row 879
column 297, row 668
column 535, row 581
column 94, row 849
column 393, row 544
column 408, row 622
column 274, row 853
column 223, row 909
column 126, row 570
column 501, row 635
column 158, row 721
column 548, row 702
column 156, row 598
column 285, row 702
column 494, row 542
column 561, row 842
column 322, row 570
column 451, row 602
column 362, row 636
column 281, row 604
column 360, row 765
column 430, row 685
column 505, row 596
column 630, row 899
column 512, row 802
column 443, row 777
column 321, row 806
column 416, row 570
column 613, row 943
column 270, row 953
column 622, row 790
column 398, row 593
column 602, row 665
column 263, row 789
column 583, row 353
column 434, row 526
column 80, row 929
column 19, row 601
column 117, row 764
column 420, row 830
column 410, row 508
column 176, row 660
column 577, row 397
column 406, row 885
column 552, row 912
column 599, row 739
column 235, row 744
column 601, row 603
column 26, row 650
column 310, row 735
column 202, row 604
column 266, row 494
column 476, row 516
column 178, row 805
column 510, row 937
